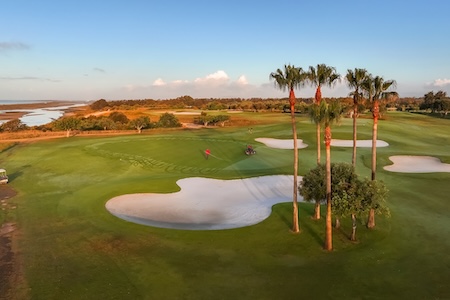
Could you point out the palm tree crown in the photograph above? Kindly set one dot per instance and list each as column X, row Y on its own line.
column 289, row 79
column 355, row 79
column 322, row 75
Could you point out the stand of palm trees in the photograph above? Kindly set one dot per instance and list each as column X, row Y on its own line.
column 324, row 114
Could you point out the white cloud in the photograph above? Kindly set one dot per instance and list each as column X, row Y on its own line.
column 217, row 78
column 158, row 82
column 242, row 80
column 214, row 85
column 441, row 82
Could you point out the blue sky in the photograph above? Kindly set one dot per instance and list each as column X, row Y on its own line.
column 87, row 50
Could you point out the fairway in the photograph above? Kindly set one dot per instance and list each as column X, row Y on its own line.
column 72, row 247
column 170, row 152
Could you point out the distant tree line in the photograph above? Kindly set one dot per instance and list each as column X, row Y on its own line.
column 115, row 121
column 433, row 102
column 187, row 102
column 437, row 103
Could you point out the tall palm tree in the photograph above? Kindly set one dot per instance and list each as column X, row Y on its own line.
column 319, row 76
column 355, row 79
column 332, row 114
column 289, row 79
column 376, row 88
column 317, row 114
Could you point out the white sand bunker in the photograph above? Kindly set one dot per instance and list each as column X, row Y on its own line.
column 206, row 204
column 359, row 143
column 281, row 144
column 416, row 164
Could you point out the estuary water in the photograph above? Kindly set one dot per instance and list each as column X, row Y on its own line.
column 37, row 116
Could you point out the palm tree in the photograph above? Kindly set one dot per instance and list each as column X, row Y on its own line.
column 322, row 75
column 289, row 79
column 355, row 79
column 376, row 88
column 332, row 114
column 317, row 114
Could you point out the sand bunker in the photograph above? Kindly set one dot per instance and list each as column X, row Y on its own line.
column 416, row 164
column 281, row 144
column 206, row 204
column 359, row 143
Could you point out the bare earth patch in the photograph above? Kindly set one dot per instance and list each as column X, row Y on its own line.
column 416, row 164
column 11, row 270
column 206, row 204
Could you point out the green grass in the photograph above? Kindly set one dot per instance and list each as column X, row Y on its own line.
column 73, row 248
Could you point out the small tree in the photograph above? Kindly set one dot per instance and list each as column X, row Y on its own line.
column 204, row 119
column 119, row 117
column 373, row 196
column 140, row 123
column 168, row 120
column 68, row 124
column 346, row 200
column 106, row 123
column 13, row 126
column 313, row 187
column 221, row 119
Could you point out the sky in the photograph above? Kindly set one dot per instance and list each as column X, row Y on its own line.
column 138, row 49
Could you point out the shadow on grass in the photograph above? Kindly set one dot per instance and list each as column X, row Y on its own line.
column 312, row 231
column 309, row 226
column 282, row 214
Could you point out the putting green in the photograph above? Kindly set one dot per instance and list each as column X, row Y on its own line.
column 187, row 154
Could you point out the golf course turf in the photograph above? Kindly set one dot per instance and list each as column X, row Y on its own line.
column 71, row 247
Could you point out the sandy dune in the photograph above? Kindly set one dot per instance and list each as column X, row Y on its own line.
column 416, row 164
column 206, row 204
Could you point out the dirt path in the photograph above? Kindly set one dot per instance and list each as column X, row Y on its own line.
column 11, row 272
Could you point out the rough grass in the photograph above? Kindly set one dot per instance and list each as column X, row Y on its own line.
column 74, row 249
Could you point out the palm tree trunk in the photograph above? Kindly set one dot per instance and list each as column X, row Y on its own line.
column 355, row 111
column 318, row 142
column 318, row 99
column 295, row 224
column 374, row 138
column 328, row 226
column 371, row 220
column 353, row 237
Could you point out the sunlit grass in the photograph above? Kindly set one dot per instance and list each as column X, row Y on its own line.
column 72, row 248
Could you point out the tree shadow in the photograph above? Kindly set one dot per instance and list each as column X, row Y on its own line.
column 312, row 231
